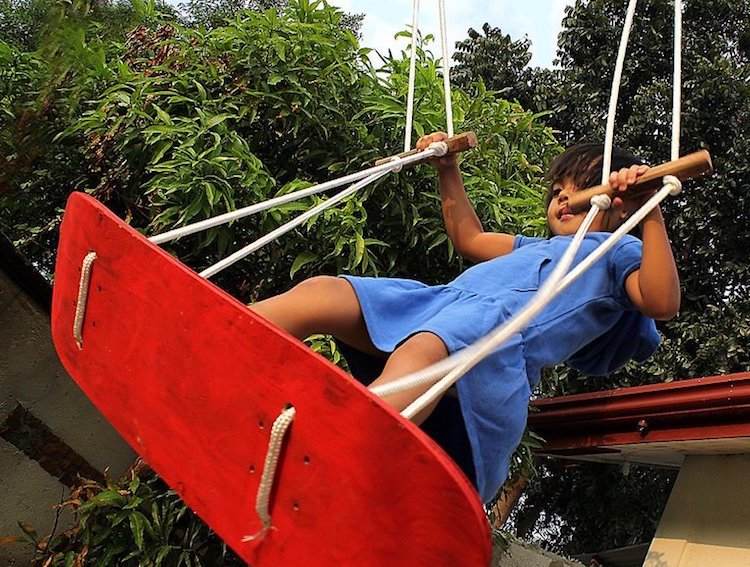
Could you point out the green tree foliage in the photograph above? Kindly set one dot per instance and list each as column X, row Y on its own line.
column 500, row 62
column 136, row 522
column 41, row 94
column 575, row 509
column 21, row 20
column 213, row 13
column 191, row 124
column 28, row 24
column 168, row 124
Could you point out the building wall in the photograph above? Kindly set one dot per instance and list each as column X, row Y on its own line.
column 49, row 431
column 707, row 520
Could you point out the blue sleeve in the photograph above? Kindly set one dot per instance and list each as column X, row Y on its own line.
column 632, row 336
column 521, row 240
column 624, row 259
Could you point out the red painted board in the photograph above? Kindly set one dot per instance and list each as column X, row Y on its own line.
column 193, row 381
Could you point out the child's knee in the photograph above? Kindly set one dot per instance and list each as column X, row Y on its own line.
column 427, row 345
column 318, row 287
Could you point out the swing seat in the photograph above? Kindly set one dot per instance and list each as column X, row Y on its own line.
column 193, row 381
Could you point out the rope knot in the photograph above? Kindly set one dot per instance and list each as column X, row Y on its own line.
column 602, row 202
column 440, row 148
column 674, row 183
column 399, row 163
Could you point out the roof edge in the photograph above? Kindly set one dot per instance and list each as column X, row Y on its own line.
column 702, row 408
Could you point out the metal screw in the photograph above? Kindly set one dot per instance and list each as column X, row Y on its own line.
column 643, row 427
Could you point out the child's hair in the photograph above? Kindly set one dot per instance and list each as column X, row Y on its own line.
column 582, row 164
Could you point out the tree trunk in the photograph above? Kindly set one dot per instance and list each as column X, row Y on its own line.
column 511, row 492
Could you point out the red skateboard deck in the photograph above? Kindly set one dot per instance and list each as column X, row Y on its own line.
column 193, row 381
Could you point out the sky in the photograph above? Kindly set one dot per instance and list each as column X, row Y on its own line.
column 538, row 19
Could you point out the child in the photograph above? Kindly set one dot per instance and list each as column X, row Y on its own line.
column 596, row 325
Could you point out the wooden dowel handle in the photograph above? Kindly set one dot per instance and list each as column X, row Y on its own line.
column 691, row 165
column 456, row 144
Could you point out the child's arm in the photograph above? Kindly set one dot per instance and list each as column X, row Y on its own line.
column 461, row 222
column 655, row 287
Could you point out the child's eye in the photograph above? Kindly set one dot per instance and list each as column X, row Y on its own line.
column 555, row 192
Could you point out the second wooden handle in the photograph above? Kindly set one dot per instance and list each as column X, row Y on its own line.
column 691, row 165
column 456, row 144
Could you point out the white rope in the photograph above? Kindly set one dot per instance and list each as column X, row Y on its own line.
column 283, row 229
column 83, row 294
column 446, row 69
column 677, row 80
column 615, row 93
column 288, row 198
column 492, row 340
column 412, row 76
column 263, row 498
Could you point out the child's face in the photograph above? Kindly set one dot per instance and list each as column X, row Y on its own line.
column 563, row 222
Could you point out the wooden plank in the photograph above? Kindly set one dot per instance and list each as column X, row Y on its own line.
column 193, row 381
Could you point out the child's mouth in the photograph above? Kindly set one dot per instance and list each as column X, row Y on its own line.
column 565, row 214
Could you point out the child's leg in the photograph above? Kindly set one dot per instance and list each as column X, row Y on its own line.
column 329, row 305
column 417, row 352
column 322, row 304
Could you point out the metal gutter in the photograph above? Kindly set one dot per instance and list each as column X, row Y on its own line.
column 716, row 407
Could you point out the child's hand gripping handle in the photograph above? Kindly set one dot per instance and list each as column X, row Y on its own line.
column 457, row 144
column 691, row 165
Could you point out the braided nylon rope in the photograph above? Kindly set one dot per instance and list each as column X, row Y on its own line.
column 83, row 295
column 262, row 499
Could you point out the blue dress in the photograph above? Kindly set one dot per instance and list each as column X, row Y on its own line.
column 592, row 325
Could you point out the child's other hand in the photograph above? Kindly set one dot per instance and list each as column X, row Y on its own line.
column 621, row 181
column 444, row 162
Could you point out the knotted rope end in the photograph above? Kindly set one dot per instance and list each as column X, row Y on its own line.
column 259, row 535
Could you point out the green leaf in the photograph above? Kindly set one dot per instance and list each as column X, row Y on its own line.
column 359, row 248
column 137, row 524
column 162, row 149
column 300, row 261
column 218, row 119
column 163, row 553
column 163, row 116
